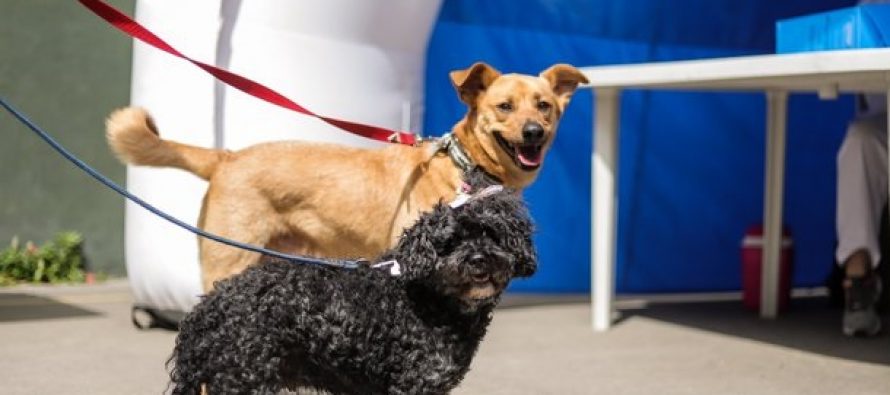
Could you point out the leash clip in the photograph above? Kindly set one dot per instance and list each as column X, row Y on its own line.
column 393, row 266
column 400, row 138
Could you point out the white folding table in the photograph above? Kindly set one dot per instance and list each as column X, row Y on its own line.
column 825, row 73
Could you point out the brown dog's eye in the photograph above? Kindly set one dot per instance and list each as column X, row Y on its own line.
column 505, row 106
column 544, row 106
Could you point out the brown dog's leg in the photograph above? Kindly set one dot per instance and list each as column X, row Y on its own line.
column 220, row 261
column 224, row 215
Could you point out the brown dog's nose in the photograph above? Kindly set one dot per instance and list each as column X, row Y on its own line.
column 532, row 132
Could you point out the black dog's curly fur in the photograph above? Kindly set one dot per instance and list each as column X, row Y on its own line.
column 284, row 325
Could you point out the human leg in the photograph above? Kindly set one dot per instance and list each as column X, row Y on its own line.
column 861, row 196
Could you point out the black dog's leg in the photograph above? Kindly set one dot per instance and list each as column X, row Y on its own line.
column 187, row 373
column 232, row 368
column 256, row 370
column 185, row 389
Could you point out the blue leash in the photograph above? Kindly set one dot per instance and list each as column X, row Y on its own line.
column 105, row 180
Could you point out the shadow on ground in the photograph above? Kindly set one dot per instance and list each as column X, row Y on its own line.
column 25, row 307
column 812, row 324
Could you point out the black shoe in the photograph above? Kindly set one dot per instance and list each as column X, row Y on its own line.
column 860, row 317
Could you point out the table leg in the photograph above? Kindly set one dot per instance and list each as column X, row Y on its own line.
column 604, row 166
column 777, row 107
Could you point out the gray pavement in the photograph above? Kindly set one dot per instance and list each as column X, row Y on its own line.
column 79, row 340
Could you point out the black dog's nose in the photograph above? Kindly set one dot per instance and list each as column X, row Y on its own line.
column 532, row 132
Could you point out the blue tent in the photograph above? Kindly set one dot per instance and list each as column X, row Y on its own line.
column 691, row 164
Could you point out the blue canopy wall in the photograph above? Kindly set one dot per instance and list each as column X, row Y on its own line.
column 691, row 164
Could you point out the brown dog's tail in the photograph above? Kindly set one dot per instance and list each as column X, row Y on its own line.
column 133, row 137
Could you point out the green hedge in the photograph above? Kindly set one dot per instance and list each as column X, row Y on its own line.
column 60, row 260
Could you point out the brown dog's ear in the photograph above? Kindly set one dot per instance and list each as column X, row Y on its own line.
column 470, row 82
column 563, row 79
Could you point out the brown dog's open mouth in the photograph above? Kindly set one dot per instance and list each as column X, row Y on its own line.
column 527, row 156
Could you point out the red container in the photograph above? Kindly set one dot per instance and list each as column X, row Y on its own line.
column 752, row 255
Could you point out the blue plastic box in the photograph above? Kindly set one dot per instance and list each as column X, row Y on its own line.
column 866, row 26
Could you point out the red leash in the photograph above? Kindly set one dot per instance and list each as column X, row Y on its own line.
column 124, row 23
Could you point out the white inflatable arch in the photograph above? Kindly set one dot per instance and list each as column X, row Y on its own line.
column 354, row 60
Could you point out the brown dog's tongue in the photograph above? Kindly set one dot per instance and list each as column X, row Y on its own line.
column 529, row 155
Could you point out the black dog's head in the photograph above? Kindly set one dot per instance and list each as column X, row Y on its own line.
column 470, row 252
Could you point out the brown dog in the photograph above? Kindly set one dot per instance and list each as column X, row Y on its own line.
column 340, row 202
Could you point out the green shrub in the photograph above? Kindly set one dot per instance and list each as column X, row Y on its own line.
column 58, row 261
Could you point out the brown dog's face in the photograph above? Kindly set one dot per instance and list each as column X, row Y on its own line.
column 513, row 118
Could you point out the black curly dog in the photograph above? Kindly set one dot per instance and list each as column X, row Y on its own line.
column 284, row 325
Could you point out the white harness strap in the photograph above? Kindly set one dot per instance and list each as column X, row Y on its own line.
column 463, row 197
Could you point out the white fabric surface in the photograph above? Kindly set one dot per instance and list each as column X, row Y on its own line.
column 360, row 61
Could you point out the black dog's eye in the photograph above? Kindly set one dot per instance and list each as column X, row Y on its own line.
column 544, row 106
column 505, row 106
